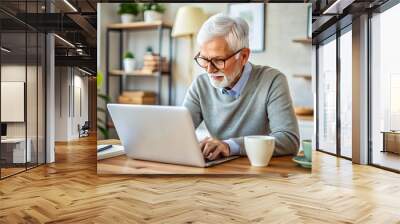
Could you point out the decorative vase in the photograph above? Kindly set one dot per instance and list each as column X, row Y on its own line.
column 129, row 64
column 152, row 16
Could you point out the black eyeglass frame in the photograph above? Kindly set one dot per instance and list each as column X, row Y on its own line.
column 211, row 60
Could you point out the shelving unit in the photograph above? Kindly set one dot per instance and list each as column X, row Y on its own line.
column 303, row 76
column 121, row 28
column 135, row 73
column 303, row 40
column 139, row 26
column 305, row 117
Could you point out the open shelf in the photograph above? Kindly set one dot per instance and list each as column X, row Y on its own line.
column 304, row 113
column 303, row 40
column 136, row 73
column 305, row 117
column 138, row 25
column 158, row 77
column 303, row 76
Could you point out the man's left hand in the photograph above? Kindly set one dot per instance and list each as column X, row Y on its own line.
column 213, row 148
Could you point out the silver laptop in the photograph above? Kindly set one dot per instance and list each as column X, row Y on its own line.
column 159, row 133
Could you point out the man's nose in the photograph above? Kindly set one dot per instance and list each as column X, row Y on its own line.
column 211, row 68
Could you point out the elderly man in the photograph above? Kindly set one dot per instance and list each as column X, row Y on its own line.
column 236, row 98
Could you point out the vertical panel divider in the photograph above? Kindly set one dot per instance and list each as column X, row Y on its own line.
column 317, row 97
column 37, row 90
column 1, row 163
column 338, row 78
column 26, row 86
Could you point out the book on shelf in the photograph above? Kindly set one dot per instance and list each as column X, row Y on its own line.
column 152, row 63
column 151, row 69
column 151, row 57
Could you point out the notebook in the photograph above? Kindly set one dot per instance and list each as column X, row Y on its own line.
column 114, row 150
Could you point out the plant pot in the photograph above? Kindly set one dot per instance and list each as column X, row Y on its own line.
column 127, row 18
column 129, row 64
column 152, row 16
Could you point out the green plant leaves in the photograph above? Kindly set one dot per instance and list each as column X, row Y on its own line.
column 129, row 8
column 101, row 124
column 129, row 55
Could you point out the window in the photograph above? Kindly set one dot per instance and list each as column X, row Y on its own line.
column 22, row 78
column 346, row 93
column 385, row 89
column 334, row 106
column 327, row 96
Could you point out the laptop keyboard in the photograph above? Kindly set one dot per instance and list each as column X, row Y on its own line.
column 220, row 160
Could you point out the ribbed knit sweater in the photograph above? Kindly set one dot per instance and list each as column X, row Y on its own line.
column 264, row 107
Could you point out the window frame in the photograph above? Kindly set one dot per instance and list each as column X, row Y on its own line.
column 380, row 9
column 347, row 27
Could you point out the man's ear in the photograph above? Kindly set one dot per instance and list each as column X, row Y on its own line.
column 245, row 55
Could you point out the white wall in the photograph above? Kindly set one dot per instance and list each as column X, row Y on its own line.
column 15, row 72
column 284, row 22
column 70, row 83
column 61, row 103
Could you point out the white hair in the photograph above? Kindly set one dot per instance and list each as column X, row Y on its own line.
column 235, row 30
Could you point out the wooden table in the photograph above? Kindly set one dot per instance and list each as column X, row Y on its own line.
column 123, row 165
column 391, row 141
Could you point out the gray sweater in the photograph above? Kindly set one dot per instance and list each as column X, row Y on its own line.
column 263, row 108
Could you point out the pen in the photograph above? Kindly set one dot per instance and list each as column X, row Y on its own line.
column 104, row 148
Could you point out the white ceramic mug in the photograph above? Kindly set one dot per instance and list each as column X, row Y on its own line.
column 259, row 149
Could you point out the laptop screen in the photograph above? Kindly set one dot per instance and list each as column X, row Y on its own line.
column 3, row 129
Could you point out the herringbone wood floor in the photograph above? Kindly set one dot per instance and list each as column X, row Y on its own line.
column 69, row 191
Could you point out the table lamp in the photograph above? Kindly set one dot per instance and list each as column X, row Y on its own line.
column 187, row 23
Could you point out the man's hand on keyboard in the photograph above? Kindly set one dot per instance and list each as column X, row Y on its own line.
column 213, row 148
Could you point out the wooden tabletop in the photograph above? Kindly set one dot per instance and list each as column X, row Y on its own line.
column 123, row 165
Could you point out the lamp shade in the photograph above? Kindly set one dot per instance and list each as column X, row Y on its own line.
column 188, row 21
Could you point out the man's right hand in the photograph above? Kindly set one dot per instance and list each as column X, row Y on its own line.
column 213, row 148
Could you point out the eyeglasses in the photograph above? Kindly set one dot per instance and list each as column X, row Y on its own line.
column 217, row 63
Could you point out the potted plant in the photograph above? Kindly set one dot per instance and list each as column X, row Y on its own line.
column 101, row 111
column 149, row 50
column 129, row 62
column 152, row 12
column 128, row 12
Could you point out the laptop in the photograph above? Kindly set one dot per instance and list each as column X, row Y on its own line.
column 159, row 133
